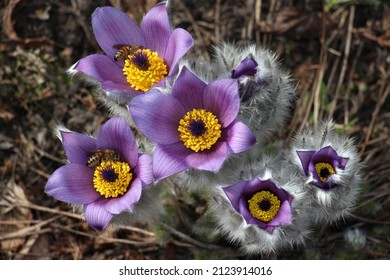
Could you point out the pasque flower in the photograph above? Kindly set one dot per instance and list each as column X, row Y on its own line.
column 136, row 58
column 247, row 69
column 265, row 88
column 261, row 203
column 322, row 165
column 329, row 166
column 263, row 214
column 194, row 127
column 105, row 174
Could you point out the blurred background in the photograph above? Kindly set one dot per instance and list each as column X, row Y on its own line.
column 338, row 52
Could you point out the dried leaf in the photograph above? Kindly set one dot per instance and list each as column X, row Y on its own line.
column 13, row 218
column 6, row 113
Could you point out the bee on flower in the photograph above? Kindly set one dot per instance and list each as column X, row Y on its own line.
column 136, row 58
column 106, row 175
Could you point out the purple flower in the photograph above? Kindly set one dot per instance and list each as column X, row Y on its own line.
column 136, row 58
column 322, row 165
column 261, row 203
column 106, row 174
column 194, row 127
column 248, row 68
column 248, row 75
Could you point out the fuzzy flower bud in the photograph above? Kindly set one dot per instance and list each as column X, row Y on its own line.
column 266, row 90
column 259, row 215
column 332, row 171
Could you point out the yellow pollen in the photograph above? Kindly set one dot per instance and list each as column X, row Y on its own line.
column 112, row 178
column 324, row 170
column 264, row 206
column 141, row 78
column 199, row 130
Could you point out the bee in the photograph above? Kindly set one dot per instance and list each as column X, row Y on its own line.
column 125, row 50
column 98, row 156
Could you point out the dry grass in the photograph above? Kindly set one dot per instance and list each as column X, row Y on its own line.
column 339, row 57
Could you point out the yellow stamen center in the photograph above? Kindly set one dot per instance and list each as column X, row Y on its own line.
column 199, row 130
column 324, row 170
column 264, row 206
column 112, row 178
column 143, row 69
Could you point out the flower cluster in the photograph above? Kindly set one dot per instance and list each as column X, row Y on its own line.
column 201, row 125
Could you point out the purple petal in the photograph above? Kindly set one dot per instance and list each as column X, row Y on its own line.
column 120, row 93
column 77, row 146
column 127, row 201
column 273, row 188
column 284, row 215
column 157, row 116
column 96, row 215
column 179, row 43
column 188, row 89
column 144, row 169
column 116, row 135
column 113, row 27
column 343, row 162
column 240, row 137
column 210, row 160
column 247, row 67
column 102, row 68
column 156, row 28
column 305, row 158
column 72, row 183
column 234, row 193
column 253, row 186
column 221, row 98
column 326, row 154
column 169, row 160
